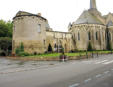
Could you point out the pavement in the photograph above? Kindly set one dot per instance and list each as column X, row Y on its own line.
column 93, row 72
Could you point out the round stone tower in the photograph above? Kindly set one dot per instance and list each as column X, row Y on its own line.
column 29, row 29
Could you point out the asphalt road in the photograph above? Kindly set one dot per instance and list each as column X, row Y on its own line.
column 96, row 72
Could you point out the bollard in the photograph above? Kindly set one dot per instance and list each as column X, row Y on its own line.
column 80, row 55
column 97, row 54
column 111, row 51
column 92, row 55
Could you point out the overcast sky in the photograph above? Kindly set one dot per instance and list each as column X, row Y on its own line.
column 58, row 12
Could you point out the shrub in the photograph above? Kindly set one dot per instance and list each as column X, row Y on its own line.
column 89, row 47
column 22, row 47
column 20, row 51
column 17, row 50
column 23, row 54
column 109, row 46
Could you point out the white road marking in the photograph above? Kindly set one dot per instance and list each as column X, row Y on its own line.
column 87, row 62
column 98, row 62
column 99, row 75
column 101, row 62
column 74, row 85
column 87, row 80
column 106, row 72
column 108, row 62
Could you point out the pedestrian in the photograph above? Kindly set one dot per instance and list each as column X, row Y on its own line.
column 63, row 57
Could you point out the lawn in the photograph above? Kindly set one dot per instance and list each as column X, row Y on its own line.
column 68, row 54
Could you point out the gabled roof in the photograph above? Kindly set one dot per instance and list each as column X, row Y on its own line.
column 87, row 18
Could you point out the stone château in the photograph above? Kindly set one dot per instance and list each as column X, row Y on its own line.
column 37, row 36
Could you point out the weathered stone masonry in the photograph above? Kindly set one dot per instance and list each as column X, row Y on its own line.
column 34, row 32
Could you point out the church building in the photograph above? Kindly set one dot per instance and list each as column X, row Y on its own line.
column 37, row 36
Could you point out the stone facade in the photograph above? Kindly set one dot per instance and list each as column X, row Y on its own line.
column 36, row 35
column 93, row 33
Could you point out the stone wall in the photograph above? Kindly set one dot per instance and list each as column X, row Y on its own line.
column 82, row 36
column 26, row 31
column 58, row 39
column 110, row 35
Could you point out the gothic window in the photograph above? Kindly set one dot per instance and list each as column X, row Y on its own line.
column 89, row 35
column 96, row 35
column 55, row 47
column 109, row 36
column 78, row 36
column 39, row 28
column 50, row 48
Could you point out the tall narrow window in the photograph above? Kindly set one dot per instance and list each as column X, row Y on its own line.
column 39, row 28
column 78, row 36
column 89, row 35
column 55, row 47
column 109, row 36
column 96, row 35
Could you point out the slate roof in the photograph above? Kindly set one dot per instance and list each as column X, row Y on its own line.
column 87, row 18
column 23, row 13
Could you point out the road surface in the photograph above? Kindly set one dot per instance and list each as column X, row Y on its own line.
column 95, row 72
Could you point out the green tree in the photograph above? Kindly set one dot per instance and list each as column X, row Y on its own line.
column 5, row 45
column 6, row 28
column 22, row 47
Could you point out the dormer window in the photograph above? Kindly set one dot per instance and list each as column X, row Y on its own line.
column 39, row 28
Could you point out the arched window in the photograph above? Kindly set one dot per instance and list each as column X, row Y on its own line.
column 78, row 36
column 109, row 36
column 96, row 34
column 89, row 35
column 55, row 47
column 50, row 48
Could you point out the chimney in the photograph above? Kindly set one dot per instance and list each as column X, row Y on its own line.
column 39, row 14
